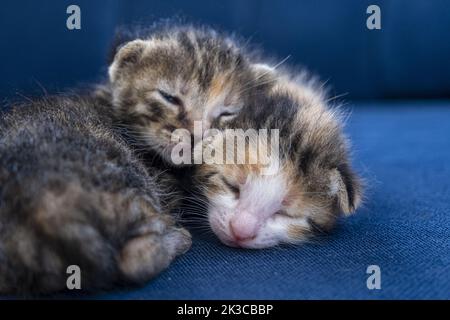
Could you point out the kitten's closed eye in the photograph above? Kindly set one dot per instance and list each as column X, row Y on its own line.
column 170, row 99
column 233, row 188
column 225, row 112
column 226, row 115
column 283, row 213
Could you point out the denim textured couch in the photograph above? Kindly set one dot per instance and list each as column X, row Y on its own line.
column 397, row 80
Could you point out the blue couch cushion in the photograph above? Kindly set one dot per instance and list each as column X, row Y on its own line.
column 39, row 52
column 403, row 151
column 407, row 58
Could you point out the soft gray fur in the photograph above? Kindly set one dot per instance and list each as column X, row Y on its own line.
column 72, row 192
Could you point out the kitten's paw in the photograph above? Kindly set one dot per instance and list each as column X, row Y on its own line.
column 146, row 255
column 177, row 241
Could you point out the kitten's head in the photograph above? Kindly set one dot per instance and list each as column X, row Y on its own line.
column 174, row 77
column 308, row 186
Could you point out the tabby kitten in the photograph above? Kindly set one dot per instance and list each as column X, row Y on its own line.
column 72, row 192
column 311, row 182
column 169, row 78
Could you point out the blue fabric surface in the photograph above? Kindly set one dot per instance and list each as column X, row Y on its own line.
column 407, row 58
column 403, row 151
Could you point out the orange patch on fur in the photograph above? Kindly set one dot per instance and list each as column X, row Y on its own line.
column 296, row 231
column 217, row 87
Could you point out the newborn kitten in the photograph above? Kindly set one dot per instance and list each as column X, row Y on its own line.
column 174, row 76
column 314, row 182
column 73, row 193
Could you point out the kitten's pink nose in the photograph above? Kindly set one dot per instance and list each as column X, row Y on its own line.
column 244, row 226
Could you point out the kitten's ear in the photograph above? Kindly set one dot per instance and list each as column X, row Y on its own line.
column 347, row 187
column 128, row 54
column 122, row 36
column 131, row 52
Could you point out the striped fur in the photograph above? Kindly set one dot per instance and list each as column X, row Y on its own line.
column 72, row 192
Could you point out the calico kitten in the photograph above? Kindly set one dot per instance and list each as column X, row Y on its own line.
column 312, row 183
column 175, row 75
column 72, row 192
column 170, row 78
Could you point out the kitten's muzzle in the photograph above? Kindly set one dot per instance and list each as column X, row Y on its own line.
column 244, row 226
